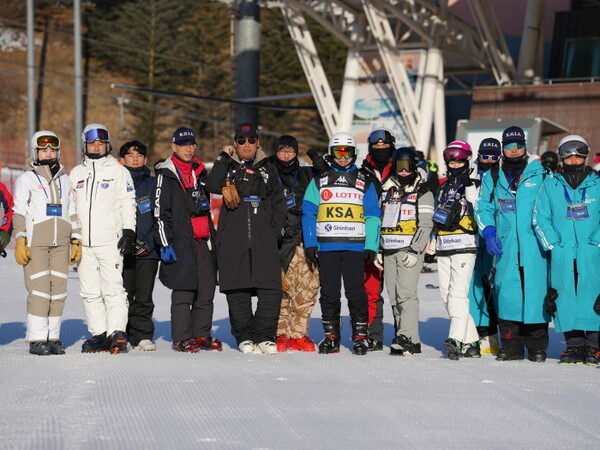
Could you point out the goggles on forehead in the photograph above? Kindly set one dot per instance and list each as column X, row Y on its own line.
column 48, row 141
column 485, row 157
column 96, row 134
column 404, row 164
column 343, row 151
column 514, row 146
column 573, row 148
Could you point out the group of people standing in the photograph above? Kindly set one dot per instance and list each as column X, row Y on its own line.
column 516, row 243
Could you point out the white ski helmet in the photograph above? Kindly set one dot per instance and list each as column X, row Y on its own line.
column 341, row 139
column 92, row 132
column 52, row 141
column 573, row 145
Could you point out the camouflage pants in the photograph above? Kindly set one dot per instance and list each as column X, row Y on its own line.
column 298, row 301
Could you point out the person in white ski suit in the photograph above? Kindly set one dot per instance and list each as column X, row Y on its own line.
column 106, row 207
column 48, row 232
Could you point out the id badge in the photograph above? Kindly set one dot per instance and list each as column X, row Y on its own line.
column 204, row 204
column 390, row 215
column 508, row 206
column 144, row 205
column 577, row 212
column 290, row 201
column 53, row 209
column 440, row 216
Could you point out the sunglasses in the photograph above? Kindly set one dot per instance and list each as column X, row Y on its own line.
column 514, row 146
column 573, row 148
column 242, row 141
column 485, row 157
column 343, row 151
column 96, row 134
column 48, row 141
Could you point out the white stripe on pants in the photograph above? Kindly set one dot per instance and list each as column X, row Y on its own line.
column 454, row 274
column 104, row 298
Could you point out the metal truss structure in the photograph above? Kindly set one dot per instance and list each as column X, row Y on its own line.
column 454, row 49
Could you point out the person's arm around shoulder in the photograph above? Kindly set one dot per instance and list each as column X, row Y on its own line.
column 372, row 213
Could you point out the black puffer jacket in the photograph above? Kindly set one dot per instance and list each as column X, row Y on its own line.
column 294, row 180
column 247, row 236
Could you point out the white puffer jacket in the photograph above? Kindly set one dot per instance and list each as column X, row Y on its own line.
column 105, row 200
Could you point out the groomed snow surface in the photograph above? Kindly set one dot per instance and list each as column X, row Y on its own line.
column 163, row 399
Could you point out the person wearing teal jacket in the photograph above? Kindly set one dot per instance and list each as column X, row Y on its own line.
column 340, row 224
column 566, row 219
column 504, row 216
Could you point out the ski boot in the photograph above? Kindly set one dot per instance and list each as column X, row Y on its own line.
column 56, row 347
column 572, row 355
column 331, row 343
column 39, row 348
column 453, row 348
column 592, row 356
column 374, row 345
column 403, row 345
column 536, row 355
column 97, row 343
column 360, row 345
column 117, row 342
column 471, row 350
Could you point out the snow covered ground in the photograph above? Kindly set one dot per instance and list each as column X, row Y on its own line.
column 165, row 399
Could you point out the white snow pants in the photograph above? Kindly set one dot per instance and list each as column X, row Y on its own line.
column 454, row 274
column 104, row 297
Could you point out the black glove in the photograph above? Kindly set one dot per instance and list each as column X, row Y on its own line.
column 370, row 256
column 4, row 240
column 597, row 305
column 310, row 254
column 127, row 243
column 550, row 302
column 319, row 163
column 429, row 258
column 141, row 248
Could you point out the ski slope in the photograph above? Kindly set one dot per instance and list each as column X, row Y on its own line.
column 163, row 399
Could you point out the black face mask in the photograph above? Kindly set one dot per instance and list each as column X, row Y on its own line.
column 457, row 171
column 47, row 162
column 408, row 179
column 96, row 155
column 516, row 163
column 287, row 167
column 485, row 166
column 381, row 156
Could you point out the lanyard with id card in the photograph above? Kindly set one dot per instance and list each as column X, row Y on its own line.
column 577, row 211
column 508, row 205
column 52, row 209
column 144, row 204
column 391, row 213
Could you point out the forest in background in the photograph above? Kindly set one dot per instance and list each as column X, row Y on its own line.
column 179, row 46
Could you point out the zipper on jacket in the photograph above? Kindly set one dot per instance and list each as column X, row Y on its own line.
column 90, row 209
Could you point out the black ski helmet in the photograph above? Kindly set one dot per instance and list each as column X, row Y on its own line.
column 405, row 158
column 381, row 155
column 549, row 160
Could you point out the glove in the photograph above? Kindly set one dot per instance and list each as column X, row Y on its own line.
column 230, row 194
column 370, row 256
column 167, row 254
column 127, row 243
column 410, row 260
column 319, row 163
column 379, row 261
column 429, row 258
column 141, row 249
column 597, row 305
column 4, row 240
column 550, row 302
column 285, row 286
column 493, row 244
column 75, row 251
column 22, row 252
column 312, row 259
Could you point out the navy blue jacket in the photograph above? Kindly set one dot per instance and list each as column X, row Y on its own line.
column 143, row 182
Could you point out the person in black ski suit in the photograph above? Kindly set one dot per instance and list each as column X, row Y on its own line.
column 251, row 223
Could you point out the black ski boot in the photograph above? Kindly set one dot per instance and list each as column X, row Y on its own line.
column 374, row 345
column 360, row 345
column 118, row 342
column 573, row 355
column 56, row 347
column 39, row 348
column 404, row 345
column 536, row 355
column 471, row 350
column 592, row 356
column 453, row 348
column 512, row 350
column 97, row 343
column 331, row 343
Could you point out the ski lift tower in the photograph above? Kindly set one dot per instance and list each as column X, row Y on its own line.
column 449, row 47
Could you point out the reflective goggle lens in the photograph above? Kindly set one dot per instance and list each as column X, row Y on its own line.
column 381, row 135
column 343, row 152
column 573, row 148
column 514, row 146
column 493, row 158
column 403, row 164
column 48, row 141
column 456, row 154
column 96, row 134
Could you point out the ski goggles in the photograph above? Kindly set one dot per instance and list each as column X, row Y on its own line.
column 96, row 134
column 456, row 154
column 381, row 135
column 514, row 146
column 242, row 141
column 342, row 151
column 573, row 148
column 484, row 157
column 48, row 141
column 404, row 164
